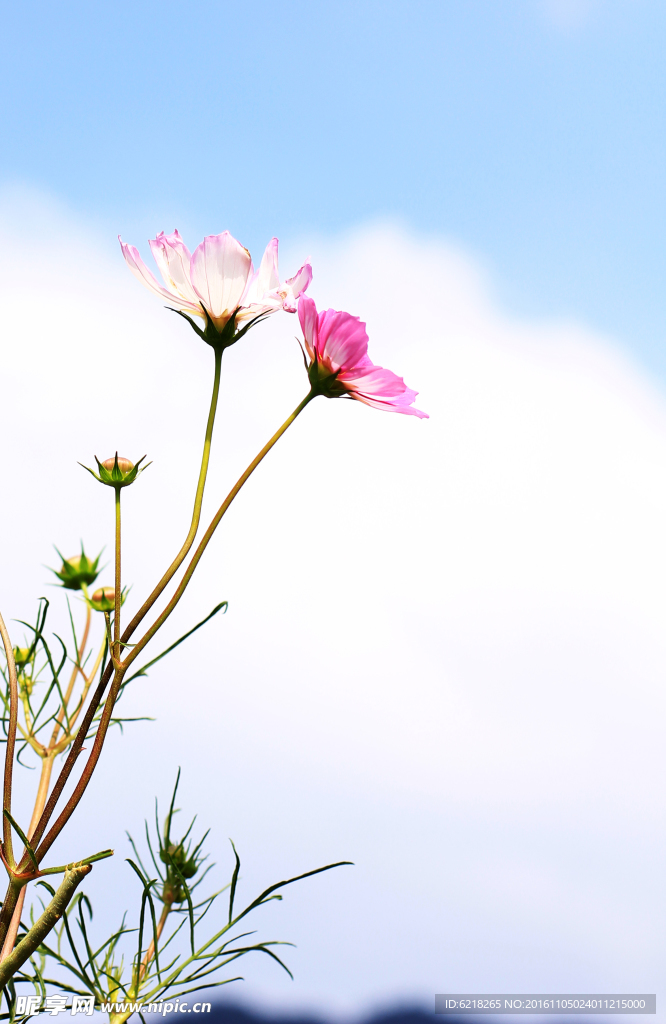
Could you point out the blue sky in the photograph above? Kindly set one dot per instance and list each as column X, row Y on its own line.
column 530, row 133
column 496, row 567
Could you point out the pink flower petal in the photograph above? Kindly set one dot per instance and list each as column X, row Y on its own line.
column 384, row 390
column 402, row 404
column 141, row 272
column 307, row 314
column 343, row 339
column 296, row 286
column 266, row 278
column 375, row 380
column 219, row 270
column 173, row 261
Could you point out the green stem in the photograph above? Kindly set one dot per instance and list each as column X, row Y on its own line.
column 117, row 602
column 8, row 907
column 196, row 513
column 56, row 908
column 108, row 672
column 88, row 770
column 11, row 742
column 159, row 622
column 76, row 747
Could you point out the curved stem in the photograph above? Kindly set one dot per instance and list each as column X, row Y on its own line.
column 150, row 952
column 118, row 674
column 87, row 772
column 87, row 680
column 118, row 593
column 73, row 754
column 196, row 513
column 8, row 906
column 11, row 743
column 161, row 619
column 68, row 694
column 107, row 674
column 40, row 800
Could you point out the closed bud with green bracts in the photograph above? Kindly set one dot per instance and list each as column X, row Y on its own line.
column 178, row 857
column 21, row 656
column 124, row 465
column 78, row 572
column 180, row 866
column 103, row 600
column 117, row 472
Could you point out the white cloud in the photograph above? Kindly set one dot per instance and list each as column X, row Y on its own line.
column 568, row 15
column 444, row 654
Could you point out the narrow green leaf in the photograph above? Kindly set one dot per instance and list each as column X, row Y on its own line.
column 86, row 860
column 234, row 882
column 22, row 836
column 142, row 671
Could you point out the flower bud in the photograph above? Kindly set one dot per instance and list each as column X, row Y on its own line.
column 78, row 572
column 124, row 465
column 103, row 600
column 26, row 684
column 117, row 472
column 21, row 656
column 177, row 857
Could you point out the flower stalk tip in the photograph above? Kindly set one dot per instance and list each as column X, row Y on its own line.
column 117, row 472
column 104, row 599
column 78, row 572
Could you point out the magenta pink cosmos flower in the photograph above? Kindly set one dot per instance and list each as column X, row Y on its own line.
column 217, row 282
column 337, row 344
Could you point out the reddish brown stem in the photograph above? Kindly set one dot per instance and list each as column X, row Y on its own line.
column 150, row 952
column 11, row 744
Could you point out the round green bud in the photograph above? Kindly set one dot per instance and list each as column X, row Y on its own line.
column 177, row 856
column 21, row 656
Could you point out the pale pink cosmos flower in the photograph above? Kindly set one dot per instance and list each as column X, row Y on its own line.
column 337, row 344
column 217, row 280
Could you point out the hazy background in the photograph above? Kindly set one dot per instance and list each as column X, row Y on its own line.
column 444, row 653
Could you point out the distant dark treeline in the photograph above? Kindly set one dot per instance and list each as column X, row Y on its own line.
column 223, row 1013
column 229, row 1013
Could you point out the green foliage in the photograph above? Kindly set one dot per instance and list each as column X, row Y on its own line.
column 41, row 672
column 175, row 953
column 42, row 687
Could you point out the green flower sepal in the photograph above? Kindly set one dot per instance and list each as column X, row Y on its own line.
column 78, row 572
column 219, row 339
column 117, row 472
column 104, row 599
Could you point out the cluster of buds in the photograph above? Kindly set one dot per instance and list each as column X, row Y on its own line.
column 23, row 658
column 181, row 865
